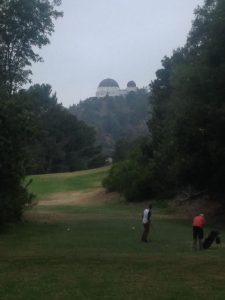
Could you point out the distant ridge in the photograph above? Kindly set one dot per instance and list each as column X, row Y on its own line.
column 114, row 118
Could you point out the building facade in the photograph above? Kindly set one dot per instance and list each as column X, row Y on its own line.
column 109, row 87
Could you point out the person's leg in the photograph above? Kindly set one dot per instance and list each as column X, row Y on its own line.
column 200, row 238
column 145, row 233
column 147, row 230
column 194, row 238
column 200, row 244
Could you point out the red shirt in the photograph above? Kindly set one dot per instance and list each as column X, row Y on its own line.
column 199, row 221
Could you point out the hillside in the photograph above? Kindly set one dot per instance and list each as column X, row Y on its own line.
column 115, row 118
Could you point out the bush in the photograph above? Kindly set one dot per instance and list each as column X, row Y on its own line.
column 14, row 131
column 130, row 179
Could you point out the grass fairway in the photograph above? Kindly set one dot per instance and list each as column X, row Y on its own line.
column 73, row 249
column 45, row 185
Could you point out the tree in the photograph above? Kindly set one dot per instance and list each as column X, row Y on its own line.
column 61, row 142
column 191, row 135
column 15, row 133
column 187, row 125
column 24, row 24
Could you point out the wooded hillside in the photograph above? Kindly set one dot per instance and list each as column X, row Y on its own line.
column 115, row 118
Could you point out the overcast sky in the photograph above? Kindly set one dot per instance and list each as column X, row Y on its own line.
column 120, row 39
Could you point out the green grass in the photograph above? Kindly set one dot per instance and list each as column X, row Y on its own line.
column 44, row 185
column 101, row 257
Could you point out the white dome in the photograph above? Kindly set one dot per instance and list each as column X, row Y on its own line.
column 108, row 83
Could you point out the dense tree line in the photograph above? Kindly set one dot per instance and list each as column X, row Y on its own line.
column 37, row 134
column 60, row 141
column 186, row 146
column 115, row 118
column 24, row 24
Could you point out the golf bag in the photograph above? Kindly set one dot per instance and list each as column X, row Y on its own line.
column 213, row 236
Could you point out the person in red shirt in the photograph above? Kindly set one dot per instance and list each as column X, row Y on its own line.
column 198, row 233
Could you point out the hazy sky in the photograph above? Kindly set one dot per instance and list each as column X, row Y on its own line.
column 120, row 39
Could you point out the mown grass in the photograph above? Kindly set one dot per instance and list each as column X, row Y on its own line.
column 44, row 185
column 95, row 254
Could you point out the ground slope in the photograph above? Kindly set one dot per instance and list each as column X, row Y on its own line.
column 85, row 244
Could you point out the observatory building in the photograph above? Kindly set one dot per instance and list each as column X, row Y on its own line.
column 109, row 87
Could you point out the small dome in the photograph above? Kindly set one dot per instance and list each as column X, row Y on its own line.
column 131, row 84
column 108, row 83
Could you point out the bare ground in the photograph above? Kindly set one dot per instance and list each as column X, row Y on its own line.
column 98, row 196
column 94, row 197
column 87, row 198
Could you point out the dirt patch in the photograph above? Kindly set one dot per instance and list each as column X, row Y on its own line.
column 94, row 197
column 87, row 198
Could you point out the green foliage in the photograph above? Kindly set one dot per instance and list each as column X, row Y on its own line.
column 115, row 118
column 61, row 142
column 24, row 24
column 187, row 122
column 124, row 148
column 131, row 178
column 191, row 130
column 14, row 134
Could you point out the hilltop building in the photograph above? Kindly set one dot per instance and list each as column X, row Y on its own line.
column 109, row 87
